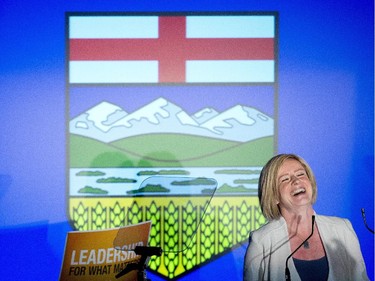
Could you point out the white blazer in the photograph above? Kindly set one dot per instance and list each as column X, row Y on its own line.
column 269, row 248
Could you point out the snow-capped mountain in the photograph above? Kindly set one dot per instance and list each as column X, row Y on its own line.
column 155, row 113
column 204, row 115
column 245, row 123
column 101, row 117
column 107, row 122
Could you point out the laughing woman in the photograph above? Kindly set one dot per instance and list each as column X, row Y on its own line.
column 296, row 243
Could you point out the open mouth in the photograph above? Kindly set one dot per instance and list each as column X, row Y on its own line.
column 299, row 191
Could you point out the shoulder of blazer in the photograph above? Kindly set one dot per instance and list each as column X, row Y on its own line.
column 268, row 229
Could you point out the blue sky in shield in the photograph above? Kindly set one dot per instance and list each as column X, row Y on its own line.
column 190, row 98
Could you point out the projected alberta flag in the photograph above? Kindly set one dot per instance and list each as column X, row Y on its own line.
column 171, row 49
column 152, row 96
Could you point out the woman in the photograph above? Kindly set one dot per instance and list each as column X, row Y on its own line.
column 287, row 191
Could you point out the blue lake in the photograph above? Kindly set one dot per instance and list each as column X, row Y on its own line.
column 77, row 182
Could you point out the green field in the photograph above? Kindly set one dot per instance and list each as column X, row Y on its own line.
column 168, row 150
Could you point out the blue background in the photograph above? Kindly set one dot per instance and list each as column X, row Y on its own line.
column 325, row 113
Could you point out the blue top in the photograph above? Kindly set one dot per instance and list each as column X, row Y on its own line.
column 312, row 270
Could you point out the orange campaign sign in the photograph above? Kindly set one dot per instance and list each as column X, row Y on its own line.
column 102, row 254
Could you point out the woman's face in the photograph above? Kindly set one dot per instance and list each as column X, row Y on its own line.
column 294, row 186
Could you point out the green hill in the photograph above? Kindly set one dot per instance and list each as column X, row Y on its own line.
column 168, row 150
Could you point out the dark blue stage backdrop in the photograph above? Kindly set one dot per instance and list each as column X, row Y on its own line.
column 318, row 91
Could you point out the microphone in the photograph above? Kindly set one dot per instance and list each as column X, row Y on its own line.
column 364, row 220
column 148, row 251
column 287, row 272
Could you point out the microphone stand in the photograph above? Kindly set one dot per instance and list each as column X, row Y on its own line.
column 145, row 253
column 364, row 221
column 287, row 272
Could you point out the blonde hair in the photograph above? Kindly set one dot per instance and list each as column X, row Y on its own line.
column 268, row 192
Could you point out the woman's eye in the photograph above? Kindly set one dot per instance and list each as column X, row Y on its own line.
column 284, row 179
